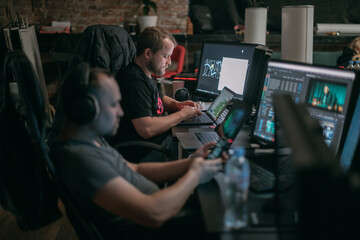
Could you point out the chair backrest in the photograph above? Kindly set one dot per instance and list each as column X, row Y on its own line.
column 178, row 56
column 104, row 46
column 22, row 172
column 25, row 105
column 83, row 225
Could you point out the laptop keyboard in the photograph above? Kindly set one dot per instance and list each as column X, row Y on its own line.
column 201, row 118
column 262, row 180
column 206, row 137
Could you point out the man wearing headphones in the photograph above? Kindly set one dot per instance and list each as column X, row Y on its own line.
column 122, row 198
column 142, row 102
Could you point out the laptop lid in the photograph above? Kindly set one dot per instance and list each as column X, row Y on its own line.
column 214, row 110
column 220, row 103
column 235, row 119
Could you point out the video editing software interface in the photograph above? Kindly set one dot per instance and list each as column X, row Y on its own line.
column 224, row 64
column 324, row 91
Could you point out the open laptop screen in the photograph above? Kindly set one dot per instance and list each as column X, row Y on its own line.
column 325, row 91
column 235, row 119
column 220, row 103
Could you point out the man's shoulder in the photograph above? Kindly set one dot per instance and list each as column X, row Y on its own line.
column 132, row 77
column 132, row 70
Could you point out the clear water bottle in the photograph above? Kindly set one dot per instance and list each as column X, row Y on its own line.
column 357, row 65
column 351, row 65
column 237, row 177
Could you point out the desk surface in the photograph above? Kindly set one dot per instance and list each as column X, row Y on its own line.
column 261, row 222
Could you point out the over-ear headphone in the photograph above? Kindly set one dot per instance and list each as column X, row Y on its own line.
column 79, row 103
column 182, row 94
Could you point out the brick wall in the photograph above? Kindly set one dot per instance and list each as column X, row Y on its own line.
column 82, row 13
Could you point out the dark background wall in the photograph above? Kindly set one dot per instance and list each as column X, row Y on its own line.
column 83, row 13
column 326, row 11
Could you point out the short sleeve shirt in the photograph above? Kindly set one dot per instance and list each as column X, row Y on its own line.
column 85, row 168
column 140, row 98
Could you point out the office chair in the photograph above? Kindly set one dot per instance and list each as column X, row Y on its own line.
column 84, row 227
column 26, row 191
column 29, row 102
column 104, row 46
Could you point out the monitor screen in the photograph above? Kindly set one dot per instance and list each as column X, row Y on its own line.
column 228, row 64
column 325, row 92
column 352, row 139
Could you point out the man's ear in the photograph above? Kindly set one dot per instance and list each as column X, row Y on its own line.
column 147, row 53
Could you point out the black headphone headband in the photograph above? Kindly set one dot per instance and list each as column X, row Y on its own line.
column 79, row 104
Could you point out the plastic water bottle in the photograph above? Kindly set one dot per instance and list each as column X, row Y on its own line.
column 351, row 65
column 237, row 177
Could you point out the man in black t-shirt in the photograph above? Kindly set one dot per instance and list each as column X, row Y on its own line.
column 143, row 104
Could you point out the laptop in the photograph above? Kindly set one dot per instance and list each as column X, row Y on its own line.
column 227, row 130
column 215, row 109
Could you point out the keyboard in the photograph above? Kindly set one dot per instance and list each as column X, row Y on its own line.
column 206, row 137
column 262, row 180
column 190, row 76
column 201, row 118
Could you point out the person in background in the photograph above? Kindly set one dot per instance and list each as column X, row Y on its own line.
column 143, row 104
column 352, row 52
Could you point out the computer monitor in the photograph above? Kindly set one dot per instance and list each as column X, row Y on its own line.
column 325, row 92
column 351, row 149
column 238, row 66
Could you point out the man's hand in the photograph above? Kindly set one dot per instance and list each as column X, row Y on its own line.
column 189, row 112
column 203, row 151
column 206, row 169
column 190, row 103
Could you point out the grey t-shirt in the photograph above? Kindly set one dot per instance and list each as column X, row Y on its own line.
column 84, row 168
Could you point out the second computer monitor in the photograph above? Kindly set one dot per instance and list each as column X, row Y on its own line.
column 325, row 91
column 237, row 66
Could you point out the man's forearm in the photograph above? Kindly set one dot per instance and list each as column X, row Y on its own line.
column 170, row 104
column 148, row 127
column 164, row 172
